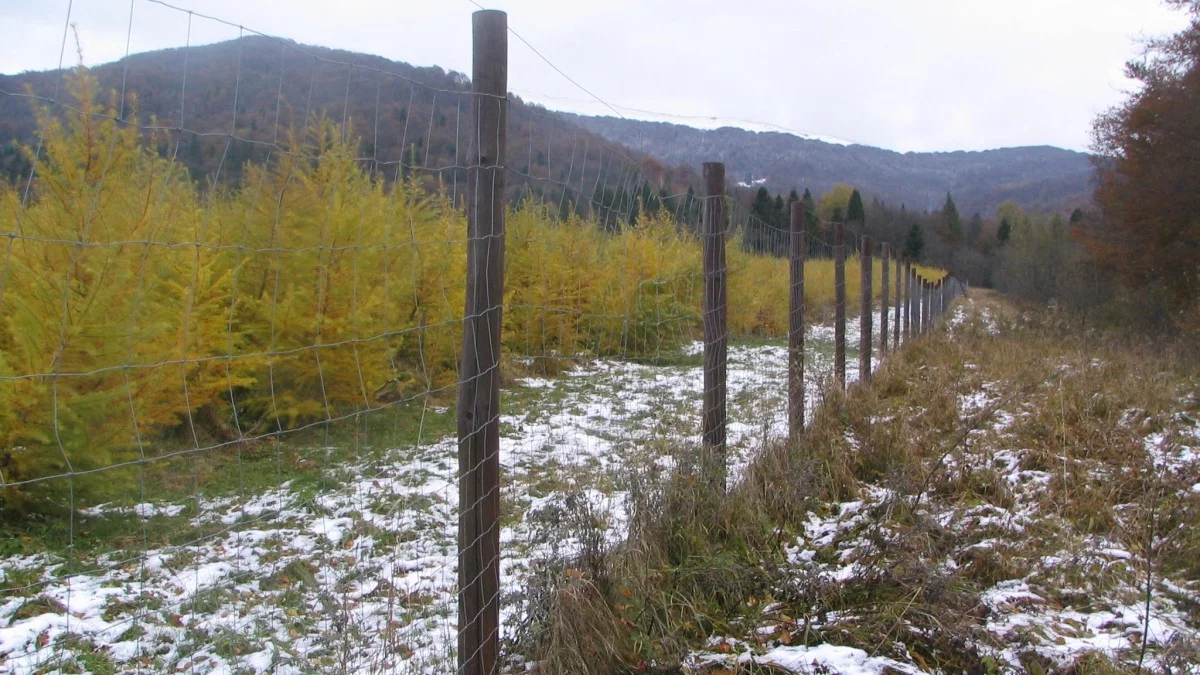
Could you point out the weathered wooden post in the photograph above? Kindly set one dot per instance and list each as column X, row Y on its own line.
column 716, row 338
column 884, row 306
column 913, row 306
column 797, row 251
column 839, row 305
column 900, row 295
column 921, row 305
column 479, row 378
column 865, row 317
column 925, row 297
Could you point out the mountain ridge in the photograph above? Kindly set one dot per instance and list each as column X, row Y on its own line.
column 558, row 154
column 1039, row 176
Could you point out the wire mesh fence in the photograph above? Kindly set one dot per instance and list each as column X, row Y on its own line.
column 234, row 335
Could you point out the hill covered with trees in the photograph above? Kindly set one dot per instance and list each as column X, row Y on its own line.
column 216, row 107
column 410, row 118
column 1040, row 177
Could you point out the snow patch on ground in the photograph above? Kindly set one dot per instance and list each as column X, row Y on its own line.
column 361, row 576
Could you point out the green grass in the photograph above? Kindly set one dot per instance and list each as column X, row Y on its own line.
column 310, row 461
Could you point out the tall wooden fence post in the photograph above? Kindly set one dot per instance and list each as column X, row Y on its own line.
column 884, row 302
column 865, row 318
column 900, row 294
column 479, row 380
column 715, row 336
column 797, row 253
column 911, row 308
column 916, row 308
column 919, row 307
column 924, row 306
column 839, row 305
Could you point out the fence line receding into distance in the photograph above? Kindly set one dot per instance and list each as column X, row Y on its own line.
column 304, row 368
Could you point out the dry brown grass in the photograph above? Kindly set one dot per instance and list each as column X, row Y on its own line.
column 1055, row 446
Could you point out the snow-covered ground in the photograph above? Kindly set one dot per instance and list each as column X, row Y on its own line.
column 361, row 577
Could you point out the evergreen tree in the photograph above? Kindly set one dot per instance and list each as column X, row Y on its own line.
column 762, row 205
column 974, row 229
column 1004, row 231
column 951, row 220
column 914, row 243
column 854, row 210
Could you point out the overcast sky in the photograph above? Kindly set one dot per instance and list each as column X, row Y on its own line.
column 902, row 74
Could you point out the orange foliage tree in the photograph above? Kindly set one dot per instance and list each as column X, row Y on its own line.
column 1149, row 173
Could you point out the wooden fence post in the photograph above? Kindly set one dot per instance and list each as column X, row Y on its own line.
column 839, row 305
column 925, row 295
column 911, row 308
column 923, row 302
column 884, row 306
column 797, row 252
column 920, row 308
column 899, row 302
column 479, row 379
column 916, row 304
column 865, row 343
column 716, row 338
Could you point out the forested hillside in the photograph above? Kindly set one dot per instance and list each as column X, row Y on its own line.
column 406, row 120
column 412, row 118
column 1041, row 177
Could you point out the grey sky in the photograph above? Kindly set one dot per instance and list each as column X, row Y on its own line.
column 900, row 74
